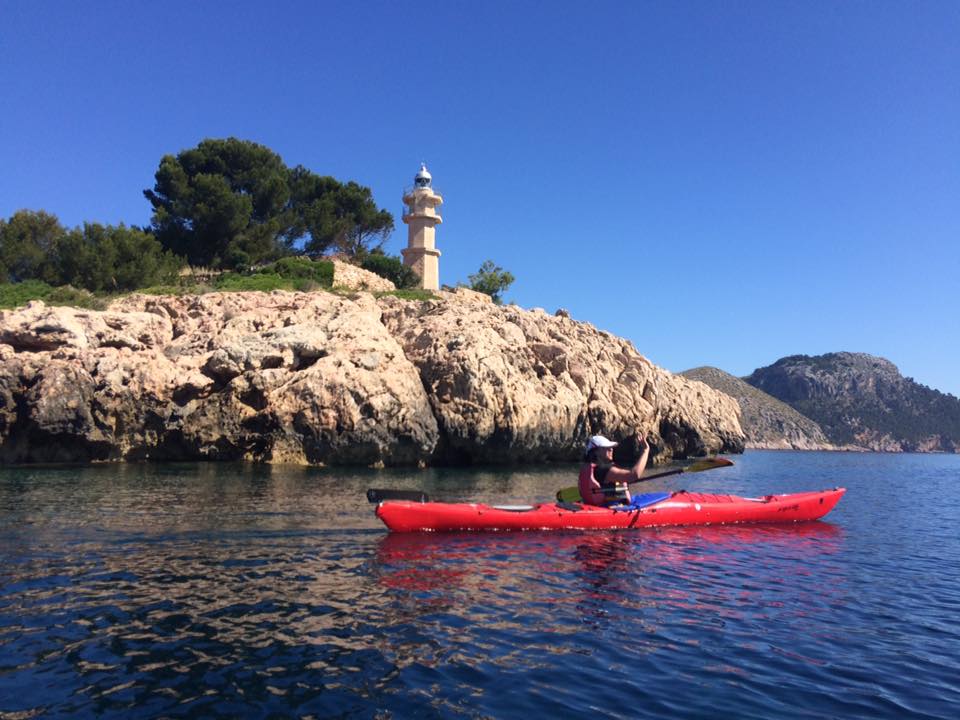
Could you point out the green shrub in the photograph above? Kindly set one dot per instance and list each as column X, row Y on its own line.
column 391, row 268
column 15, row 294
column 492, row 280
column 262, row 282
column 290, row 273
column 318, row 272
column 73, row 297
column 99, row 258
column 106, row 258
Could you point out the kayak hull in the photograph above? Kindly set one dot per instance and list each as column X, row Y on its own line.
column 680, row 508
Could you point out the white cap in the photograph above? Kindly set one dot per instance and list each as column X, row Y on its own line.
column 599, row 441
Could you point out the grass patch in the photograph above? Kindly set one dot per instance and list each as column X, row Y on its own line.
column 300, row 274
column 293, row 273
column 409, row 294
column 183, row 288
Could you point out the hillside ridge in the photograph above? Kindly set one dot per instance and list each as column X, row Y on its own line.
column 767, row 422
column 861, row 399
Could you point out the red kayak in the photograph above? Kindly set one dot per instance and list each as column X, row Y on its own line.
column 679, row 508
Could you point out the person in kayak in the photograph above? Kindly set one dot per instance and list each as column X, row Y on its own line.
column 599, row 472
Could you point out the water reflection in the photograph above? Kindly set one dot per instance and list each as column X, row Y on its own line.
column 421, row 555
column 582, row 596
column 597, row 569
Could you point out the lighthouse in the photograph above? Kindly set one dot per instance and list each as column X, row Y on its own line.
column 420, row 215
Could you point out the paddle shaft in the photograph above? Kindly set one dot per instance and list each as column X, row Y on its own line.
column 572, row 494
column 614, row 490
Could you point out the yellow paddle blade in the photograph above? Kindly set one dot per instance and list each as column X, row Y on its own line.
column 569, row 494
column 708, row 464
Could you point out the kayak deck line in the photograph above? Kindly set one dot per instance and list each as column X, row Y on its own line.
column 678, row 508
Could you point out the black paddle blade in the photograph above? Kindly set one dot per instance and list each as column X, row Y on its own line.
column 375, row 496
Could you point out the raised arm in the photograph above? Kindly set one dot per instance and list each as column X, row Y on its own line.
column 641, row 465
column 623, row 475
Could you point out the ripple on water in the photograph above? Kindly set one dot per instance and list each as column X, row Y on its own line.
column 254, row 597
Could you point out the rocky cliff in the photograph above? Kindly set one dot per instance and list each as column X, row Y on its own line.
column 767, row 422
column 324, row 378
column 863, row 400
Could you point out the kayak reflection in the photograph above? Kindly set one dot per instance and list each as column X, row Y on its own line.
column 671, row 586
column 437, row 561
column 683, row 587
column 706, row 574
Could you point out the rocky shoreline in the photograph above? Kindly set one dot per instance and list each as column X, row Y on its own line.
column 335, row 379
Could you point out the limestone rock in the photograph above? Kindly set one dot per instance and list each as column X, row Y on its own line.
column 512, row 385
column 37, row 327
column 465, row 295
column 347, row 276
column 325, row 379
column 278, row 377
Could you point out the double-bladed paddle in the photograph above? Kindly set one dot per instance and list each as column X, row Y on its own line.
column 568, row 495
column 572, row 494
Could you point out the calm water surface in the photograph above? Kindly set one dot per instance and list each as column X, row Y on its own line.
column 231, row 591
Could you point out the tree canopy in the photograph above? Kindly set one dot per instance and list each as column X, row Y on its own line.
column 231, row 203
column 100, row 258
column 223, row 203
column 27, row 241
column 492, row 280
column 106, row 258
column 228, row 204
column 337, row 216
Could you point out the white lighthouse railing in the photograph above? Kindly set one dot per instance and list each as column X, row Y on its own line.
column 425, row 212
column 412, row 188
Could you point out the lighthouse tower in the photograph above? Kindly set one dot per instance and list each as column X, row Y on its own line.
column 421, row 218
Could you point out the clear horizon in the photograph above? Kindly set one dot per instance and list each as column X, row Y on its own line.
column 723, row 185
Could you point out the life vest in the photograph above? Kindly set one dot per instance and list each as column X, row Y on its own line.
column 587, row 484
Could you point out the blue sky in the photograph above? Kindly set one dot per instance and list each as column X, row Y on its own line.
column 723, row 183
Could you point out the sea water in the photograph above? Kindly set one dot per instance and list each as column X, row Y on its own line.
column 215, row 590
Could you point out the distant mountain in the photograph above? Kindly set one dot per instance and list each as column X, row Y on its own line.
column 860, row 399
column 766, row 421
